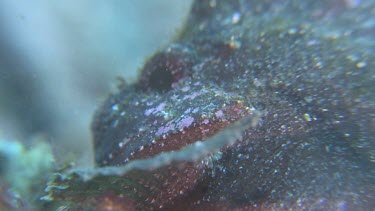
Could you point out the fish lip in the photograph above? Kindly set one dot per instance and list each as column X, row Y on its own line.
column 185, row 111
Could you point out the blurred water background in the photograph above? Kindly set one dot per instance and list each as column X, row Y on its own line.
column 60, row 59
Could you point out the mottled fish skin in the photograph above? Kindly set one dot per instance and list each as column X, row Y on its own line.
column 308, row 66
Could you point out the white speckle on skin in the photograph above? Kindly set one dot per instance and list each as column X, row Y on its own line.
column 205, row 131
column 361, row 64
column 115, row 107
column 191, row 96
column 257, row 83
column 292, row 31
column 149, row 111
column 312, row 42
column 123, row 142
column 155, row 109
column 307, row 117
column 234, row 44
column 186, row 122
column 115, row 123
column 185, row 89
column 164, row 129
column 160, row 131
column 219, row 114
column 236, row 18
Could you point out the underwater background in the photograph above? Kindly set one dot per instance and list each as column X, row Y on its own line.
column 188, row 105
column 58, row 62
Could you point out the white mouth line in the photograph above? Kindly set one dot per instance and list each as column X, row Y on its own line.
column 189, row 153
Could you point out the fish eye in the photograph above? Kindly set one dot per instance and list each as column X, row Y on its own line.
column 165, row 69
column 162, row 75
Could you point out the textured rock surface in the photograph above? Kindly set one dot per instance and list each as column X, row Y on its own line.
column 307, row 66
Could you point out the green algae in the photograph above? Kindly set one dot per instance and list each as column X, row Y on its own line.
column 23, row 173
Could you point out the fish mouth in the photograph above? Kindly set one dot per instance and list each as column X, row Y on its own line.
column 170, row 135
column 141, row 125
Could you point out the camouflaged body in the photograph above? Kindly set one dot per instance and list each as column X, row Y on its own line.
column 307, row 66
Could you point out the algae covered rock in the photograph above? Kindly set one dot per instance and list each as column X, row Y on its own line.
column 23, row 172
column 301, row 73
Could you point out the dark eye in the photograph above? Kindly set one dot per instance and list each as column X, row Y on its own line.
column 166, row 68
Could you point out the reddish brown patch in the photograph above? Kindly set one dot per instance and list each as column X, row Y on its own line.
column 176, row 181
column 172, row 182
column 112, row 202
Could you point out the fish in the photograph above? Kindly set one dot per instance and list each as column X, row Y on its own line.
column 255, row 105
